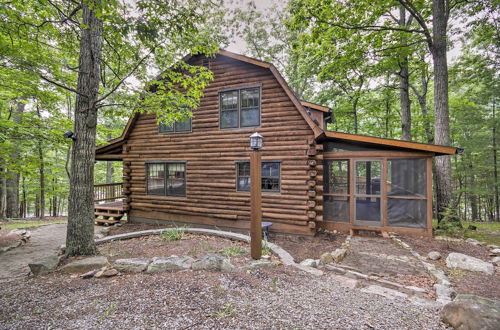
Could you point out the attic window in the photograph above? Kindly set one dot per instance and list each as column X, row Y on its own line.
column 240, row 107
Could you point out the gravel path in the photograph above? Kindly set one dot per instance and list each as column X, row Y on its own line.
column 44, row 241
column 280, row 298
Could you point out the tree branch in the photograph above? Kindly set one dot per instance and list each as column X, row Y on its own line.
column 61, row 85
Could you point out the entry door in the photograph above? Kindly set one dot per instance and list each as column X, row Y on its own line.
column 367, row 192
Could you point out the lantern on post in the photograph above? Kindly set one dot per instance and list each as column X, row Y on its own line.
column 255, row 196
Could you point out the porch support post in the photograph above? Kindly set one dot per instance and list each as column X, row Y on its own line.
column 255, row 205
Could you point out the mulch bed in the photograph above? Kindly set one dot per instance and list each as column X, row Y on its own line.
column 307, row 247
column 191, row 245
column 463, row 281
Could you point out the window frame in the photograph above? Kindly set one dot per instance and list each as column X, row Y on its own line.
column 165, row 165
column 174, row 131
column 263, row 190
column 238, row 108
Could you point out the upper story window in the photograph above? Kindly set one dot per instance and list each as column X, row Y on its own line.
column 240, row 107
column 176, row 127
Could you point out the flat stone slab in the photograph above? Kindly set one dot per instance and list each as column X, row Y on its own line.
column 385, row 292
column 261, row 264
column 132, row 265
column 44, row 266
column 85, row 265
column 472, row 312
column 465, row 262
column 170, row 264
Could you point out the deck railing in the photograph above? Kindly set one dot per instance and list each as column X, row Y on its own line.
column 108, row 191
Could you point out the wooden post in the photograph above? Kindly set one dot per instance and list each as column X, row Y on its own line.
column 255, row 205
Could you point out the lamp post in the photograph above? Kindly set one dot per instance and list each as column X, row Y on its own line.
column 255, row 196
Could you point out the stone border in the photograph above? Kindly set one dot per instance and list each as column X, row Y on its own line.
column 444, row 293
column 25, row 236
column 285, row 257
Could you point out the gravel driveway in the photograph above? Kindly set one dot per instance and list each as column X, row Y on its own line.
column 280, row 298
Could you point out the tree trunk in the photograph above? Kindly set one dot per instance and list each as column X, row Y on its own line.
column 12, row 182
column 80, row 236
column 3, row 193
column 355, row 114
column 41, row 171
column 404, row 87
column 442, row 118
column 495, row 165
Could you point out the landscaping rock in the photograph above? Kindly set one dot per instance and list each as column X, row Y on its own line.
column 472, row 312
column 462, row 261
column 309, row 263
column 89, row 274
column 495, row 252
column 434, row 255
column 170, row 264
column 444, row 292
column 496, row 261
column 84, row 265
column 44, row 266
column 447, row 239
column 106, row 272
column 326, row 258
column 339, row 254
column 132, row 265
column 345, row 282
column 385, row 292
column 473, row 241
column 212, row 262
column 261, row 264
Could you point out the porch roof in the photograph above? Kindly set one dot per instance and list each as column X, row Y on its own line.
column 384, row 143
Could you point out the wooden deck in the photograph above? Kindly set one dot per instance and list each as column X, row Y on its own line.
column 109, row 213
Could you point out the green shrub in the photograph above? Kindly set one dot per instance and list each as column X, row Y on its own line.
column 232, row 250
column 173, row 234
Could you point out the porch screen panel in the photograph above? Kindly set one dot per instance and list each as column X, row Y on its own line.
column 336, row 193
column 407, row 192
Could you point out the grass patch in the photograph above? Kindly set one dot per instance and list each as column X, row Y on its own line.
column 226, row 311
column 266, row 250
column 232, row 251
column 173, row 234
column 488, row 232
column 16, row 224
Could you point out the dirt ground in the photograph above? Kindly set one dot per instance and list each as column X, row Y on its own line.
column 463, row 281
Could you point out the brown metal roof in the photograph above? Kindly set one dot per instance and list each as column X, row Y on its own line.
column 392, row 143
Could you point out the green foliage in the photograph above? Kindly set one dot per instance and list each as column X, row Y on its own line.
column 26, row 224
column 226, row 311
column 173, row 234
column 266, row 250
column 232, row 251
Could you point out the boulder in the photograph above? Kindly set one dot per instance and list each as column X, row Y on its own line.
column 447, row 239
column 472, row 312
column 462, row 261
column 132, row 265
column 309, row 263
column 473, row 241
column 496, row 261
column 84, row 265
column 170, row 264
column 261, row 264
column 434, row 255
column 44, row 266
column 444, row 292
column 339, row 254
column 212, row 262
column 326, row 258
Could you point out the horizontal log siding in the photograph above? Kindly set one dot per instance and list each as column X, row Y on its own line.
column 211, row 153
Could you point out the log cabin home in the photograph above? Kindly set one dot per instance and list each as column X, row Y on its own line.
column 197, row 172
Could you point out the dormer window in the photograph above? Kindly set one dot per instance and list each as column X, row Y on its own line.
column 240, row 107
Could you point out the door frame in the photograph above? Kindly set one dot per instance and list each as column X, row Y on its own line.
column 353, row 180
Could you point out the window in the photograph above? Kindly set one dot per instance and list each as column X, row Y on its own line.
column 176, row 127
column 270, row 176
column 240, row 108
column 166, row 179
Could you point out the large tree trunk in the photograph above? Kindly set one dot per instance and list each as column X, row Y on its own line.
column 442, row 119
column 12, row 182
column 495, row 165
column 3, row 193
column 80, row 235
column 41, row 171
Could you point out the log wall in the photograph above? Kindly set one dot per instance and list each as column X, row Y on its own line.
column 211, row 153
